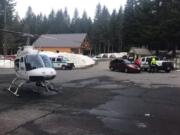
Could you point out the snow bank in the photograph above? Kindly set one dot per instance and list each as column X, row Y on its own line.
column 6, row 64
column 79, row 60
column 120, row 55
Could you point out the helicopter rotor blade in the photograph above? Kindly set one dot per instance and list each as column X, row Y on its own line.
column 48, row 37
column 19, row 33
column 26, row 34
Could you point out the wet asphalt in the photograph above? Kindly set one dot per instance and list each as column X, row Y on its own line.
column 93, row 101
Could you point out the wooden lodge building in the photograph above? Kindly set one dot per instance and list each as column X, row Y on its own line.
column 71, row 43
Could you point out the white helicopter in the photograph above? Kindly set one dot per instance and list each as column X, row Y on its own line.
column 30, row 66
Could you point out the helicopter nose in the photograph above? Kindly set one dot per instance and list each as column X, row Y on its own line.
column 53, row 72
column 44, row 73
column 48, row 72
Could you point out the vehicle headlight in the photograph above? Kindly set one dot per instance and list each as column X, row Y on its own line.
column 131, row 66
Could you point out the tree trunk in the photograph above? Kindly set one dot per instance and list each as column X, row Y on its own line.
column 174, row 51
column 108, row 46
column 104, row 48
column 112, row 49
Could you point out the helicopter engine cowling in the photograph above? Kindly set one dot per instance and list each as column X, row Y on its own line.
column 41, row 74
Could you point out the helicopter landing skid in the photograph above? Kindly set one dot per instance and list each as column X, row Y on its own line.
column 16, row 83
column 49, row 86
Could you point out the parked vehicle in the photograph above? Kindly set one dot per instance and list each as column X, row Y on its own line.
column 123, row 65
column 105, row 56
column 61, row 62
column 161, row 64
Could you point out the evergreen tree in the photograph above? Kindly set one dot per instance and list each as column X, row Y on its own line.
column 59, row 22
column 116, row 25
column 169, row 14
column 130, row 25
column 29, row 22
column 104, row 19
column 66, row 21
column 6, row 22
column 95, row 33
column 84, row 23
column 75, row 24
column 51, row 22
column 119, row 31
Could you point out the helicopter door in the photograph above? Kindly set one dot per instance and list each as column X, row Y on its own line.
column 16, row 63
column 22, row 69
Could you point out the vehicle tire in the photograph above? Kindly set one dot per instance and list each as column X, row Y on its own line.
column 149, row 70
column 111, row 68
column 73, row 67
column 156, row 70
column 63, row 68
column 126, row 70
column 168, row 70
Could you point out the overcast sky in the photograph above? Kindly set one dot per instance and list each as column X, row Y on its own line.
column 45, row 6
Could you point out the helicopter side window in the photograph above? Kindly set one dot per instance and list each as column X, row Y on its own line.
column 47, row 61
column 33, row 62
column 16, row 64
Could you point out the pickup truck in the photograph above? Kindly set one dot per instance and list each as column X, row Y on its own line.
column 164, row 65
column 61, row 62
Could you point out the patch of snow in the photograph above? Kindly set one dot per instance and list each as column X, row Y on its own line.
column 6, row 64
column 79, row 60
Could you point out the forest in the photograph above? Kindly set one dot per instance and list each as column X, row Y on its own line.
column 154, row 24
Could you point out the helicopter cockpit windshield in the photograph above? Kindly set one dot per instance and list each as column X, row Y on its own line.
column 37, row 61
column 47, row 61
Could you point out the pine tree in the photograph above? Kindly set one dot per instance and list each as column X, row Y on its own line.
column 130, row 34
column 95, row 33
column 6, row 22
column 29, row 22
column 75, row 23
column 51, row 22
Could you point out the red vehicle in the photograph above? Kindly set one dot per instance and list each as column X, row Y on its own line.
column 124, row 65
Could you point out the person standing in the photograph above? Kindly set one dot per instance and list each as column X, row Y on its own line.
column 153, row 64
column 137, row 61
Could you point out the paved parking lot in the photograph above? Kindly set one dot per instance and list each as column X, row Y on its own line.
column 95, row 101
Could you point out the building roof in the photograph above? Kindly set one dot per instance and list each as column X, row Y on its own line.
column 140, row 51
column 60, row 40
